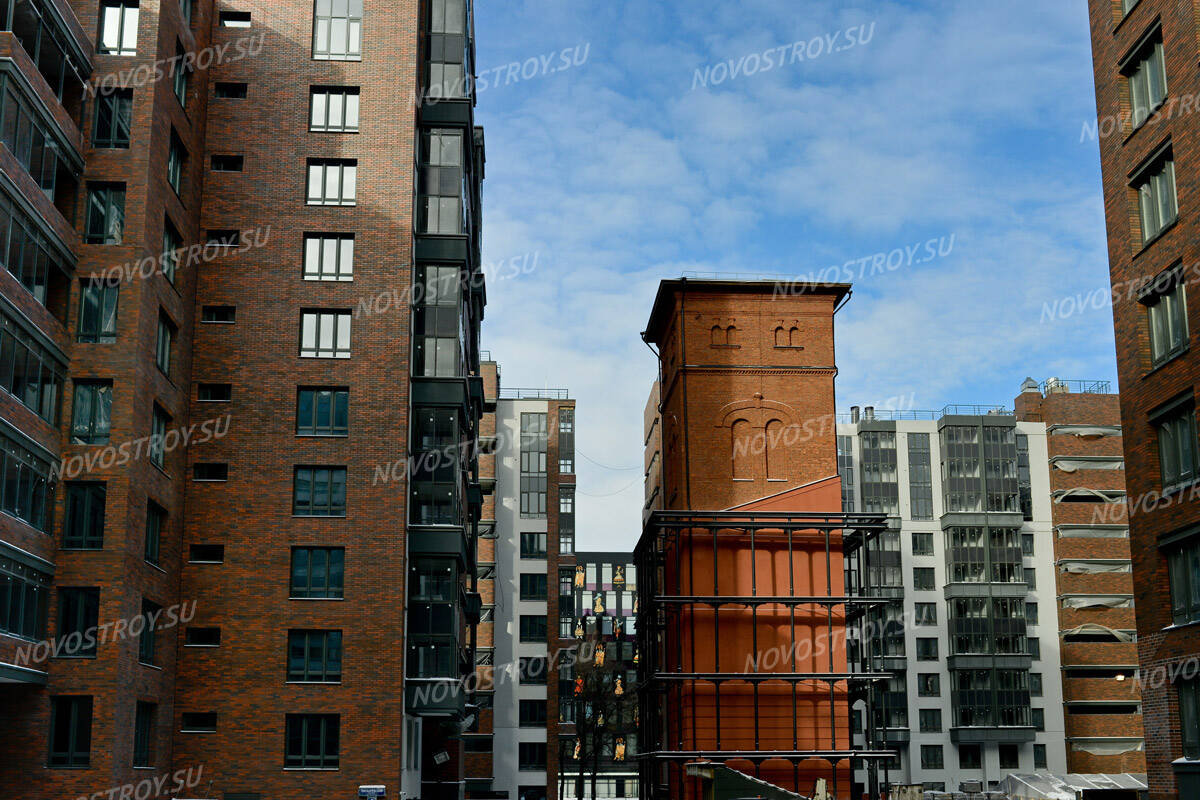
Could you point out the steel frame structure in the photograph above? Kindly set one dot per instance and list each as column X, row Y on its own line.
column 668, row 602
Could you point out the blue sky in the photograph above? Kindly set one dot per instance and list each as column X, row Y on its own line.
column 611, row 165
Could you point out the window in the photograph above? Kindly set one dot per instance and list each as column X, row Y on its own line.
column 214, row 392
column 1177, row 446
column 1157, row 201
column 533, row 545
column 235, row 19
column 922, row 544
column 1030, row 577
column 923, row 578
column 532, row 713
column 91, row 418
column 1166, row 316
column 172, row 242
column 148, row 638
column 927, row 649
column 1184, row 578
column 78, row 616
column 447, row 48
column 181, row 73
column 27, row 488
column 70, row 731
column 221, row 314
column 531, row 755
column 1035, row 648
column 158, row 430
column 318, row 572
column 198, row 722
column 314, row 656
column 970, row 756
column 155, row 518
column 323, row 412
column 176, row 161
column 1147, row 77
column 143, row 734
column 334, row 109
column 97, row 311
column 105, row 213
column 1038, row 718
column 114, row 110
column 566, row 440
column 533, row 628
column 532, row 670
column 1031, row 613
column 202, row 637
column 929, row 684
column 332, row 182
column 1009, row 757
column 162, row 352
column 84, row 525
column 319, row 492
column 223, row 237
column 437, row 325
column 533, row 586
column 118, row 27
column 227, row 162
column 1189, row 717
column 312, row 741
column 533, row 465
column 23, row 600
column 209, row 471
column 930, row 720
column 328, row 256
column 1039, row 756
column 1035, row 684
column 1027, row 543
column 226, row 90
column 208, row 554
column 440, row 183
column 325, row 334
column 926, row 613
column 337, row 30
column 931, row 756
column 920, row 476
column 435, row 487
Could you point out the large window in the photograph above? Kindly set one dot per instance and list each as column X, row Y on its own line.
column 317, row 573
column 337, row 30
column 114, row 110
column 1177, row 446
column 332, row 182
column 920, row 476
column 531, row 755
column 1184, row 571
column 325, row 334
column 313, row 741
column 930, row 720
column 84, row 525
column 97, row 310
column 26, row 484
column 433, row 618
column 78, row 616
column 33, row 259
column 70, row 731
column 438, row 331
column 328, row 256
column 118, row 27
column 533, row 586
column 334, row 109
column 566, row 440
column 533, row 545
column 1166, row 315
column 319, row 492
column 880, row 490
column 1147, row 76
column 533, row 627
column 533, row 465
column 1157, row 201
column 532, row 713
column 440, row 183
column 29, row 370
column 323, row 412
column 314, row 656
column 436, row 480
column 447, row 49
column 30, row 140
column 105, row 213
column 91, row 417
column 24, row 594
column 931, row 757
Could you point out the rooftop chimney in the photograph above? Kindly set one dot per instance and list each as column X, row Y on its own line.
column 854, row 414
column 869, row 413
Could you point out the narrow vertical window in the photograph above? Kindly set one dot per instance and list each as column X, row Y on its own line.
column 92, row 412
column 105, row 213
column 118, row 27
column 742, row 440
column 114, row 112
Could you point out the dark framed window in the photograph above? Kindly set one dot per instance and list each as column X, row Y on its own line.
column 532, row 670
column 920, row 476
column 440, row 183
column 1183, row 571
column 929, row 684
column 1037, row 717
column 1010, row 757
column 533, row 586
column 332, row 182
column 313, row 741
column 209, row 471
column 930, row 720
column 926, row 613
column 531, row 755
column 923, row 579
column 931, row 757
column 24, row 594
column 78, row 617
column 144, row 719
column 162, row 350
column 158, row 429
column 234, row 19
column 181, row 73
column 206, row 554
column 83, row 528
column 198, row 722
column 1158, row 204
column 148, row 638
column 333, row 109
column 1177, row 445
column 97, row 310
column 532, row 713
column 922, row 544
column 1039, row 756
column 176, row 161
column 1035, row 648
column 337, row 30
column 437, row 323
column 533, row 627
column 1027, row 544
column 227, row 162
column 1035, row 684
column 927, row 649
column 566, row 440
column 970, row 756
column 325, row 334
column 220, row 314
column 70, row 731
column 328, row 256
column 318, row 572
column 214, row 392
column 197, row 636
column 1031, row 612
column 114, row 111
column 434, row 481
column 319, row 492
column 1189, row 716
column 447, row 48
column 533, row 465
column 533, row 545
column 1146, row 75
column 314, row 656
column 91, row 416
column 228, row 90
column 29, row 371
column 105, row 213
column 118, row 27
column 1166, row 319
column 322, row 411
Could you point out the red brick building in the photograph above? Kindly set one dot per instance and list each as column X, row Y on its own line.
column 1147, row 79
column 243, row 279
